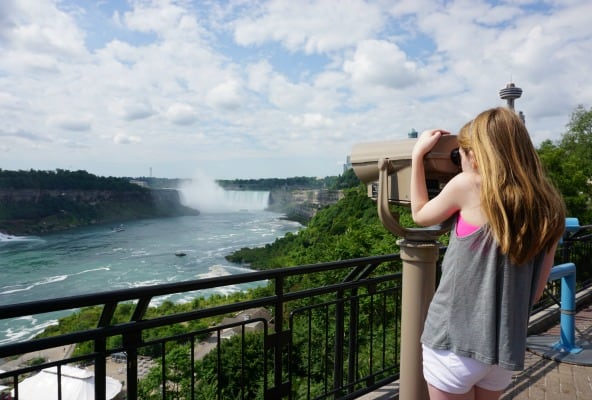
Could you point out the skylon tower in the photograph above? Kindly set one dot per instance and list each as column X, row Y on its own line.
column 511, row 93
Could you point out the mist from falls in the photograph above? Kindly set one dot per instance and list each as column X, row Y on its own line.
column 205, row 195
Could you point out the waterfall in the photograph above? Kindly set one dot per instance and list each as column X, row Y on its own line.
column 205, row 195
column 247, row 199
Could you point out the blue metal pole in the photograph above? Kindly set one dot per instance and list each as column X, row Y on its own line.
column 568, row 309
column 567, row 273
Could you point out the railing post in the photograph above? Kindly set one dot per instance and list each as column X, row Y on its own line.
column 339, row 332
column 353, row 339
column 419, row 283
column 130, row 343
column 100, row 368
column 281, row 388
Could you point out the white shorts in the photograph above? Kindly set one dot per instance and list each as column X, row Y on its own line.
column 454, row 374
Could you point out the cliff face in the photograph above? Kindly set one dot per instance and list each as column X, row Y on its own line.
column 35, row 211
column 302, row 205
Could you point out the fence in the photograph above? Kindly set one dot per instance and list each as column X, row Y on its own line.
column 334, row 340
column 296, row 337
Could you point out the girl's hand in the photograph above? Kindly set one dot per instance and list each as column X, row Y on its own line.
column 426, row 141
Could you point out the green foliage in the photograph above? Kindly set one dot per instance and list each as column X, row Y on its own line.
column 313, row 349
column 563, row 168
column 299, row 182
column 240, row 365
column 178, row 378
column 35, row 361
column 223, row 369
column 63, row 180
column 345, row 181
column 348, row 229
column 569, row 164
column 88, row 318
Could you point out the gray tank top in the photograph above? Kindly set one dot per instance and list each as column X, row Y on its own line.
column 482, row 304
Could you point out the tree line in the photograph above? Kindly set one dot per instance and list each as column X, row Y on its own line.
column 568, row 161
column 293, row 183
column 62, row 179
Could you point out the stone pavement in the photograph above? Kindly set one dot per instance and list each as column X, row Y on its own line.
column 542, row 378
column 546, row 379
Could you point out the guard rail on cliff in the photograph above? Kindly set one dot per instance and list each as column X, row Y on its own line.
column 336, row 340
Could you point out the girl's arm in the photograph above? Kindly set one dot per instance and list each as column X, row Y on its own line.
column 418, row 191
column 427, row 212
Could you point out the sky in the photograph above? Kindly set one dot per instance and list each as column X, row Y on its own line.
column 244, row 89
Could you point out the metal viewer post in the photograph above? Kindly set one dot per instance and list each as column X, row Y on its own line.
column 419, row 253
column 386, row 169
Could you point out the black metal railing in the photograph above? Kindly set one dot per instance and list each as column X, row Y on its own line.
column 337, row 340
column 296, row 339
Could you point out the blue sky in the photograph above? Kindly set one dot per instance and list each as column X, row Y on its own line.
column 260, row 89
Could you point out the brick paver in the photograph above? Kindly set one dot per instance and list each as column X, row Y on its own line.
column 542, row 379
column 545, row 379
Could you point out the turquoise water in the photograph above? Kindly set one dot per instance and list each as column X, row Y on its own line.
column 98, row 258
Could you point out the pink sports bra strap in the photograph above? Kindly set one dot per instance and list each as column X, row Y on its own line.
column 463, row 228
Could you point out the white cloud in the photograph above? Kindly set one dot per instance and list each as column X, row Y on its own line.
column 40, row 35
column 226, row 95
column 380, row 63
column 159, row 17
column 311, row 26
column 26, row 135
column 181, row 114
column 70, row 123
column 129, row 109
column 312, row 120
column 259, row 75
column 122, row 138
column 272, row 82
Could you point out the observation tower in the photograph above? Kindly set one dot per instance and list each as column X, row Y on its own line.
column 511, row 93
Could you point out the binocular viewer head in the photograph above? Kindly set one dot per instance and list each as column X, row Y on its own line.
column 441, row 164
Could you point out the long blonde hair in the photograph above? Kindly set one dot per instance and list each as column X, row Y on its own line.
column 525, row 211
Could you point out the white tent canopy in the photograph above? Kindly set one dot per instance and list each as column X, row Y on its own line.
column 77, row 384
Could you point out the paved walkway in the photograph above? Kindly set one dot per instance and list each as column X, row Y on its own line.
column 543, row 378
column 546, row 379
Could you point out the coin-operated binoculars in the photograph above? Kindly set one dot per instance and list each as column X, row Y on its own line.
column 386, row 168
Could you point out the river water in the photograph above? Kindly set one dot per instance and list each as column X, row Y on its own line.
column 101, row 258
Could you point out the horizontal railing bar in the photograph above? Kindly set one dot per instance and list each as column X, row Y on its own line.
column 212, row 311
column 87, row 300
column 118, row 329
column 48, row 364
column 125, row 327
column 338, row 286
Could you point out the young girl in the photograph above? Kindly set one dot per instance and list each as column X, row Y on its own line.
column 509, row 219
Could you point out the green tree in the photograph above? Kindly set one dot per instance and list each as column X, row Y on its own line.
column 239, row 366
column 569, row 164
